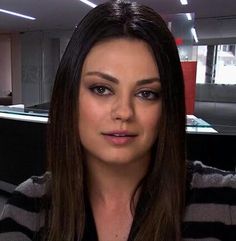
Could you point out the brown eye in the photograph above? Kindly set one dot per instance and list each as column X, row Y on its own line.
column 148, row 95
column 100, row 90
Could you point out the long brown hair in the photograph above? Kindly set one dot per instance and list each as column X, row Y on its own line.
column 165, row 180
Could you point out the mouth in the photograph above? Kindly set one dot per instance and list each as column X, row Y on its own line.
column 120, row 135
column 119, row 138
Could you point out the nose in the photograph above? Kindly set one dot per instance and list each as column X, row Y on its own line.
column 122, row 109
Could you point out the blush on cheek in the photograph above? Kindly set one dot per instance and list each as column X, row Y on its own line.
column 154, row 122
column 90, row 111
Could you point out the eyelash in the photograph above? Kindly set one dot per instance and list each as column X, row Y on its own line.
column 154, row 95
column 95, row 89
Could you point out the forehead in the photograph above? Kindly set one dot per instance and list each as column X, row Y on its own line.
column 122, row 55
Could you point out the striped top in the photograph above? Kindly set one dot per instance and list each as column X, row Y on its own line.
column 210, row 213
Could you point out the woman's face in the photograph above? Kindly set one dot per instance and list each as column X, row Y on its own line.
column 119, row 102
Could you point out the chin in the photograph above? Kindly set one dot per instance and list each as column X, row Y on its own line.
column 120, row 160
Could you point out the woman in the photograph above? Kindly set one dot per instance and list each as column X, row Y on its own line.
column 116, row 146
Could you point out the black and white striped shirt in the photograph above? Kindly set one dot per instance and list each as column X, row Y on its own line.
column 210, row 213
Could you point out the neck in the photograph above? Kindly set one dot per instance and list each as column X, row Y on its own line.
column 114, row 184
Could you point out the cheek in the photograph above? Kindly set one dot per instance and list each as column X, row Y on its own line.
column 151, row 120
column 90, row 112
column 87, row 113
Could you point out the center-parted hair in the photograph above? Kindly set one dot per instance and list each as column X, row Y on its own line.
column 165, row 181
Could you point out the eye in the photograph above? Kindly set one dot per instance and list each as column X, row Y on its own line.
column 148, row 95
column 100, row 90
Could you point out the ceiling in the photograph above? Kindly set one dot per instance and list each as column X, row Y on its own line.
column 215, row 20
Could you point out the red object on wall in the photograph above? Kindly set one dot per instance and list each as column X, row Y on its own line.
column 179, row 41
column 189, row 71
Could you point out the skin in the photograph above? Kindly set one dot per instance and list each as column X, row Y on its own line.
column 112, row 97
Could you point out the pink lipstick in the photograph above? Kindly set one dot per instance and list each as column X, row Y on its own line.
column 119, row 137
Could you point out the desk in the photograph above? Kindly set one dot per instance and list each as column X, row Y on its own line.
column 22, row 148
column 198, row 125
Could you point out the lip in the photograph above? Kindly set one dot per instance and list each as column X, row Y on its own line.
column 125, row 137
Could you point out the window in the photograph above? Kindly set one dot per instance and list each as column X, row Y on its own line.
column 201, row 64
column 225, row 65
column 221, row 66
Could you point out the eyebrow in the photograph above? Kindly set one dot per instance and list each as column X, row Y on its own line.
column 116, row 81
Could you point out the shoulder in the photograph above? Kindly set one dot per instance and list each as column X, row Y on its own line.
column 210, row 188
column 211, row 203
column 36, row 186
column 23, row 214
column 203, row 176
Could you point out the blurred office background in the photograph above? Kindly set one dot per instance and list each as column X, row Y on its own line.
column 31, row 48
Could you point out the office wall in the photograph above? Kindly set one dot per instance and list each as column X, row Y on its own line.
column 51, row 58
column 31, row 67
column 16, row 68
column 5, row 65
column 40, row 58
column 216, row 93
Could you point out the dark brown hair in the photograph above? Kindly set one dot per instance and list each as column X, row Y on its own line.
column 165, row 180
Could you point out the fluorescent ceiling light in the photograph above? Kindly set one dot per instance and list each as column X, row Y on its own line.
column 189, row 17
column 184, row 2
column 16, row 14
column 89, row 3
column 193, row 30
